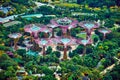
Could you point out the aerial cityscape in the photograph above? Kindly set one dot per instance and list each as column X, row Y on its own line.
column 59, row 40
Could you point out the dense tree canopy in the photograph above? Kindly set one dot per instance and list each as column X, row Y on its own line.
column 98, row 3
column 99, row 55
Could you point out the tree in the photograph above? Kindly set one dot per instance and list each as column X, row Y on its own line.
column 107, row 77
column 107, row 62
column 114, row 74
column 89, row 49
column 113, row 35
column 2, row 77
column 56, row 53
column 47, row 10
column 2, row 47
column 25, row 2
column 79, row 1
column 77, row 60
column 21, row 52
column 46, row 70
column 79, row 49
column 4, row 57
column 109, row 23
column 98, row 3
column 29, row 66
column 49, row 77
column 8, row 63
column 72, row 54
column 109, row 45
column 59, row 32
column 30, row 78
column 49, row 50
column 90, row 61
column 2, row 14
column 4, row 1
column 10, row 72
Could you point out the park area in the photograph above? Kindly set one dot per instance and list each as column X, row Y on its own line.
column 60, row 40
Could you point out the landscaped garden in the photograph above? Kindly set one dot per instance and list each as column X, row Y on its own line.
column 80, row 42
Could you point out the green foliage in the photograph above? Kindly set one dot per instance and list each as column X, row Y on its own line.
column 25, row 2
column 77, row 65
column 95, row 74
column 113, row 35
column 107, row 62
column 2, row 47
column 59, row 32
column 101, row 67
column 2, row 14
column 31, row 67
column 47, row 10
column 49, row 77
column 18, row 60
column 98, row 3
column 21, row 52
column 89, row 49
column 49, row 58
column 79, row 49
column 56, row 53
column 107, row 77
column 49, row 50
column 110, row 44
column 114, row 74
column 30, row 78
column 10, row 72
column 2, row 77
column 4, row 1
column 72, row 54
column 74, row 31
column 4, row 57
column 90, row 61
column 109, row 23
column 28, row 58
column 107, row 45
column 46, row 70
column 8, row 63
column 77, row 60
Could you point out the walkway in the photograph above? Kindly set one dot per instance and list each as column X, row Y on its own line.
column 109, row 68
